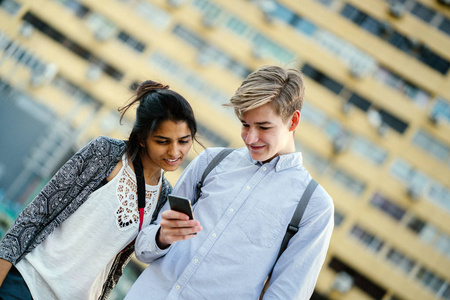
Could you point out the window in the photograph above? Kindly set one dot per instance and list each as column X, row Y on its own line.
column 314, row 116
column 74, row 91
column 190, row 79
column 420, row 97
column 400, row 261
column 369, row 240
column 430, row 280
column 431, row 145
column 388, row 207
column 208, row 53
column 215, row 139
column 421, row 11
column 443, row 244
column 441, row 110
column 316, row 162
column 326, row 2
column 304, row 26
column 10, row 6
column 76, row 7
column 359, row 102
column 131, row 42
column 338, row 218
column 362, row 282
column 426, row 232
column 152, row 13
column 428, row 57
column 102, row 27
column 439, row 194
column 368, row 150
column 398, row 40
column 283, row 13
column 71, row 45
column 445, row 25
column 323, row 79
column 393, row 122
column 352, row 184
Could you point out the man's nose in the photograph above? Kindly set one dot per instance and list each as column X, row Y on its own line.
column 252, row 136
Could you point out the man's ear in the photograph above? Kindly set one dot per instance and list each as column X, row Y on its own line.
column 295, row 120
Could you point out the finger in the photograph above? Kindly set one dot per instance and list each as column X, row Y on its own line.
column 173, row 215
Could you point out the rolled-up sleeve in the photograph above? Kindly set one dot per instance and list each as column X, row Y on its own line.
column 146, row 248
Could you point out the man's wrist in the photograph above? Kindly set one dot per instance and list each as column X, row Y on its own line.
column 161, row 241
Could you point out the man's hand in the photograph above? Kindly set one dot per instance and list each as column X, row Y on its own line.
column 176, row 226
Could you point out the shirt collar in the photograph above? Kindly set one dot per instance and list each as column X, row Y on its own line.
column 282, row 162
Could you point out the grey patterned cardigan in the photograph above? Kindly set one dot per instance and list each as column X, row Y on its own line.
column 85, row 172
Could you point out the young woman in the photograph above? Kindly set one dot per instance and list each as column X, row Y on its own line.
column 76, row 236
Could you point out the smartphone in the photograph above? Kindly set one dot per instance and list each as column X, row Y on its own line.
column 181, row 204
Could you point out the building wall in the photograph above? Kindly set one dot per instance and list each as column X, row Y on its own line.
column 375, row 128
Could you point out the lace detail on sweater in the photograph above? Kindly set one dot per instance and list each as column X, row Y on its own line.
column 128, row 213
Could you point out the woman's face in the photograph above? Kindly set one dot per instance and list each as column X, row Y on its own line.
column 167, row 146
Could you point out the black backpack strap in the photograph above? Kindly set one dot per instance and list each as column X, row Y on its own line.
column 293, row 225
column 216, row 160
column 298, row 214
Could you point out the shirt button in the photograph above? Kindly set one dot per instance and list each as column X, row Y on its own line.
column 195, row 261
column 213, row 235
column 264, row 168
column 178, row 287
column 248, row 187
column 231, row 210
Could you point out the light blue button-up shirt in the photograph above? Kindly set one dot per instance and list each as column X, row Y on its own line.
column 244, row 209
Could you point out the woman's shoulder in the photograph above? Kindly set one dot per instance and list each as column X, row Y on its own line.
column 107, row 145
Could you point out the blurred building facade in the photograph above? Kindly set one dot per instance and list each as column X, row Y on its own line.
column 375, row 128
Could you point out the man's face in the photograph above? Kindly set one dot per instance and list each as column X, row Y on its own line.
column 266, row 135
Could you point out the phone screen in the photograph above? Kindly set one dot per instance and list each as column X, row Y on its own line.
column 181, row 204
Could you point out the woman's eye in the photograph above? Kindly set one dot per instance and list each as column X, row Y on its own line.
column 264, row 128
column 183, row 142
column 161, row 142
column 245, row 125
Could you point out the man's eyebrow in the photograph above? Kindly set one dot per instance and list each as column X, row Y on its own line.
column 259, row 123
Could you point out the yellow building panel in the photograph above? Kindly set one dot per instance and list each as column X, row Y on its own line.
column 407, row 24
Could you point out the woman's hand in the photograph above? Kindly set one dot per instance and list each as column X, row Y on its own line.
column 5, row 266
column 176, row 226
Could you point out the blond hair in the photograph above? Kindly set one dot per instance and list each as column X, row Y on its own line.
column 282, row 88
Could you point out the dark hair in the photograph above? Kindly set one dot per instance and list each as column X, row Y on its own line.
column 157, row 103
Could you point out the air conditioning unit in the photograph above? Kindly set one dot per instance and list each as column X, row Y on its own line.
column 413, row 193
column 396, row 9
column 346, row 108
column 209, row 21
column 382, row 129
column 26, row 29
column 356, row 71
column 339, row 145
column 257, row 52
column 43, row 75
column 386, row 28
column 434, row 118
column 94, row 72
column 104, row 33
column 343, row 282
column 268, row 7
column 175, row 3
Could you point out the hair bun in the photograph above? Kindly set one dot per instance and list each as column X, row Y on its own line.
column 149, row 86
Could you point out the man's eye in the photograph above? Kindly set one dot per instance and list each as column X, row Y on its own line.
column 264, row 128
column 245, row 125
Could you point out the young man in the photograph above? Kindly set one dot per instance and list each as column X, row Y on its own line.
column 242, row 215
